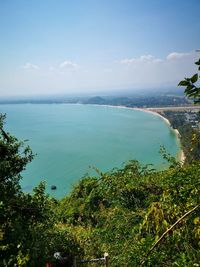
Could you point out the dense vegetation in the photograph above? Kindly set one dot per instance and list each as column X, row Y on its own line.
column 28, row 231
column 125, row 211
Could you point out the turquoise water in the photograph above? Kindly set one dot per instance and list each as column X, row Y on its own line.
column 68, row 139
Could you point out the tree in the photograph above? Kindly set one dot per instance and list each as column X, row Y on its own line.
column 20, row 213
column 192, row 89
column 29, row 230
column 13, row 159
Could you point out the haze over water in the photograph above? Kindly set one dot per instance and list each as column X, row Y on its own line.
column 68, row 139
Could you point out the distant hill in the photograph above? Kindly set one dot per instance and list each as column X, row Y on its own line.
column 95, row 100
column 143, row 98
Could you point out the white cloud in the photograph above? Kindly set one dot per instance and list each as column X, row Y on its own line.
column 176, row 55
column 146, row 58
column 149, row 71
column 30, row 66
column 141, row 59
column 143, row 71
column 127, row 61
column 67, row 64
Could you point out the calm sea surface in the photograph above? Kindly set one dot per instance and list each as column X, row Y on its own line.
column 68, row 139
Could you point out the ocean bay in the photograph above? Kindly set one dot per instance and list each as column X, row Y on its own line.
column 68, row 139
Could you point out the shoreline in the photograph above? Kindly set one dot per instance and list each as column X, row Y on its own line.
column 180, row 155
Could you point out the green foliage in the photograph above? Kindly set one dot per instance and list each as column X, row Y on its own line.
column 192, row 90
column 28, row 232
column 133, row 207
column 198, row 64
column 190, row 138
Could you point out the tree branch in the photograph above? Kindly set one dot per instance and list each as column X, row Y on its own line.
column 167, row 231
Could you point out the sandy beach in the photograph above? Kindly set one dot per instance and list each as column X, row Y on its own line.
column 181, row 155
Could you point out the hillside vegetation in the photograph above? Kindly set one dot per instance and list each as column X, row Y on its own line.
column 125, row 211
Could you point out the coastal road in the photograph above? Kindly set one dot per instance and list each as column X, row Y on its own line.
column 178, row 108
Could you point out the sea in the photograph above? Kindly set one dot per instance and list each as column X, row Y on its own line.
column 71, row 141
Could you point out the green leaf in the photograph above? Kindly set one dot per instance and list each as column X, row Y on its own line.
column 194, row 78
column 183, row 83
column 191, row 91
column 197, row 62
column 197, row 101
column 189, row 87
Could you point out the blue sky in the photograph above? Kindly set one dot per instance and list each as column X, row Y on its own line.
column 76, row 46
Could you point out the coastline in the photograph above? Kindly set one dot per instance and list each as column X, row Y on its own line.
column 180, row 155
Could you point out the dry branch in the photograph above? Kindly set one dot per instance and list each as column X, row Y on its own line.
column 167, row 231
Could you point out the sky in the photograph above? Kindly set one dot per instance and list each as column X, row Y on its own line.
column 79, row 46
